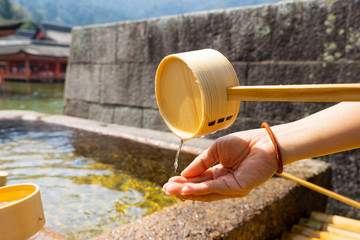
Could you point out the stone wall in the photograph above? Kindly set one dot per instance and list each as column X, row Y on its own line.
column 112, row 67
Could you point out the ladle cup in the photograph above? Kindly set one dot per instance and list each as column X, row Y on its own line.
column 21, row 211
column 198, row 93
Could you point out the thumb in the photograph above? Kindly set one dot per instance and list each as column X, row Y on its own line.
column 202, row 162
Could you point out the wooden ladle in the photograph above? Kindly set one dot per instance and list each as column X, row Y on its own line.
column 198, row 93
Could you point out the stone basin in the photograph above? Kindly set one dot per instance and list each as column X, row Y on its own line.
column 265, row 213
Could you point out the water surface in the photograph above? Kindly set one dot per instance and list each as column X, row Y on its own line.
column 82, row 196
column 39, row 97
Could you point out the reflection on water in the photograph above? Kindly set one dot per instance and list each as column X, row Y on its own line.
column 82, row 197
column 39, row 97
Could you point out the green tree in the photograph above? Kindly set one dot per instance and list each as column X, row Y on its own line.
column 30, row 25
column 19, row 12
column 5, row 9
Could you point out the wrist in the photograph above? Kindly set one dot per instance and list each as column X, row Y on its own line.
column 275, row 145
column 263, row 141
column 289, row 137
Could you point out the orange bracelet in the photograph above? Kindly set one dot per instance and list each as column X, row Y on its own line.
column 276, row 146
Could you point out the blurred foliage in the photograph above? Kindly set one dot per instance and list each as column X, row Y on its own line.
column 30, row 25
column 9, row 10
column 83, row 12
column 5, row 9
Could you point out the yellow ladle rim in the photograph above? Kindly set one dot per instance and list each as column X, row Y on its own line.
column 29, row 186
column 184, row 135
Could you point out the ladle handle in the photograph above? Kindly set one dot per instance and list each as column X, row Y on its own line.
column 321, row 190
column 297, row 93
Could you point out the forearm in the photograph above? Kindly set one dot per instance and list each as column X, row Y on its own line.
column 334, row 129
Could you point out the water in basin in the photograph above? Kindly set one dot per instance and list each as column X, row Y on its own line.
column 86, row 188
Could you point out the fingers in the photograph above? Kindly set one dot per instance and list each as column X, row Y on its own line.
column 179, row 186
column 206, row 198
column 176, row 189
column 210, row 174
column 203, row 188
column 202, row 162
column 173, row 188
column 178, row 179
column 198, row 192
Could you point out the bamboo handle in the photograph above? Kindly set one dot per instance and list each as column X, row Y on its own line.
column 320, row 190
column 297, row 93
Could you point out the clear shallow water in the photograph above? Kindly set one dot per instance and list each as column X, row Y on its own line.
column 81, row 196
column 39, row 97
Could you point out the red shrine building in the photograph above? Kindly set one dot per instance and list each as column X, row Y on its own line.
column 40, row 55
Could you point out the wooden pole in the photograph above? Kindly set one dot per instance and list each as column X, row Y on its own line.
column 57, row 69
column 297, row 93
column 320, row 190
column 2, row 79
column 7, row 66
column 27, row 67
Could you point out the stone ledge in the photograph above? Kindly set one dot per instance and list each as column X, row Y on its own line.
column 264, row 214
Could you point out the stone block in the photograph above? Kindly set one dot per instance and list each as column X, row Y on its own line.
column 268, row 73
column 279, row 112
column 350, row 72
column 76, row 108
column 131, row 42
column 71, row 81
column 335, row 30
column 163, row 37
column 83, row 82
column 138, row 79
column 248, row 34
column 299, row 30
column 345, row 181
column 153, row 120
column 294, row 72
column 114, row 88
column 128, row 116
column 263, row 73
column 353, row 34
column 241, row 69
column 101, row 113
column 103, row 45
column 297, row 72
column 203, row 30
column 146, row 76
column 288, row 73
column 324, row 72
column 131, row 84
column 81, row 45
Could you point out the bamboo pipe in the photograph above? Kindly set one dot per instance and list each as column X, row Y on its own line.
column 297, row 93
column 339, row 221
column 318, row 234
column 320, row 190
column 328, row 227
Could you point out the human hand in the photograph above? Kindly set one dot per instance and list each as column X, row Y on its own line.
column 246, row 160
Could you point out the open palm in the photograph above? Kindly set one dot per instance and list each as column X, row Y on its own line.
column 246, row 160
